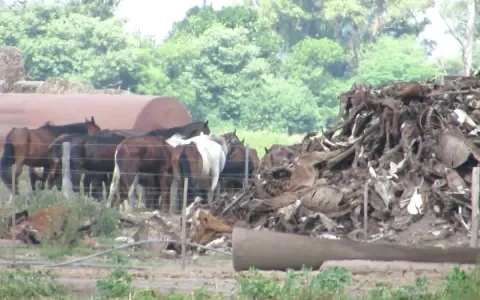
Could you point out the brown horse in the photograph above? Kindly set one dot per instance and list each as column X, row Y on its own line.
column 233, row 174
column 94, row 156
column 29, row 147
column 141, row 154
column 54, row 154
column 132, row 160
column 91, row 155
column 278, row 155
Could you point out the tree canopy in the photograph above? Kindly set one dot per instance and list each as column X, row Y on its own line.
column 276, row 65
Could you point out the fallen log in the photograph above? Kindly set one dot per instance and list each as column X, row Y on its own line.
column 266, row 250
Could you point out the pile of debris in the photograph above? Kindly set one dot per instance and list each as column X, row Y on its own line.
column 409, row 148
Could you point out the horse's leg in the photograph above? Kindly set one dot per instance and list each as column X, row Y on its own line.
column 114, row 182
column 33, row 178
column 88, row 179
column 144, row 193
column 76, row 175
column 45, row 173
column 58, row 182
column 97, row 185
column 107, row 181
column 18, row 171
column 131, row 193
column 103, row 182
column 215, row 174
column 165, row 180
column 29, row 189
column 52, row 175
column 173, row 196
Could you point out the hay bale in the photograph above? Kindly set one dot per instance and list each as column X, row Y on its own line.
column 3, row 86
column 112, row 92
column 57, row 86
column 12, row 68
column 24, row 86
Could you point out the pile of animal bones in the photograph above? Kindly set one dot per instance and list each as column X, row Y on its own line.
column 408, row 147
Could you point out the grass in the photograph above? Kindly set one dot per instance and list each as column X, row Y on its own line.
column 84, row 210
column 330, row 284
column 261, row 139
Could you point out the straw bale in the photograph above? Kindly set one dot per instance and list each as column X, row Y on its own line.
column 12, row 67
column 57, row 86
column 3, row 86
column 24, row 86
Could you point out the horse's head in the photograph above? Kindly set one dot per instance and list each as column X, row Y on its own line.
column 92, row 127
column 203, row 128
column 232, row 138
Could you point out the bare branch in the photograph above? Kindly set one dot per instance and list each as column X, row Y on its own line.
column 451, row 31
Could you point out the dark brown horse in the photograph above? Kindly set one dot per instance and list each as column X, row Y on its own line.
column 141, row 154
column 29, row 147
column 186, row 162
column 186, row 131
column 54, row 154
column 91, row 155
column 233, row 174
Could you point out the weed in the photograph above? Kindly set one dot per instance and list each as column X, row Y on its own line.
column 328, row 284
column 118, row 259
column 20, row 284
column 117, row 284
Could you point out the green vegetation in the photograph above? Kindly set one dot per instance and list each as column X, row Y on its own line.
column 20, row 284
column 333, row 283
column 259, row 140
column 84, row 211
column 264, row 66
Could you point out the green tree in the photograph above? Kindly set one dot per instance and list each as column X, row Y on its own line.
column 315, row 63
column 57, row 42
column 391, row 59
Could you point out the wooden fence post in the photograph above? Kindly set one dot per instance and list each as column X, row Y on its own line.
column 184, row 223
column 247, row 158
column 66, row 174
column 474, row 189
column 14, row 221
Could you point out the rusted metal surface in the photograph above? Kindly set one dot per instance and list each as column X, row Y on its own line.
column 110, row 111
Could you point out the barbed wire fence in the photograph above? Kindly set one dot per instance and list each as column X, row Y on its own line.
column 67, row 189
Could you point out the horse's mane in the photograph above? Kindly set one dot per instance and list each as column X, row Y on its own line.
column 73, row 128
column 48, row 124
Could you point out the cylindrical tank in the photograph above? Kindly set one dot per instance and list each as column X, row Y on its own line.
column 266, row 250
column 136, row 112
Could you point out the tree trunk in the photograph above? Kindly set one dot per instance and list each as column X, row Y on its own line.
column 469, row 38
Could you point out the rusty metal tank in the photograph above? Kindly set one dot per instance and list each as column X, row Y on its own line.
column 136, row 112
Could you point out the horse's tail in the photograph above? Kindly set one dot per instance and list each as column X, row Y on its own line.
column 115, row 179
column 7, row 161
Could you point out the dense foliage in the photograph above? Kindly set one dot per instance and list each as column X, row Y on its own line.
column 277, row 65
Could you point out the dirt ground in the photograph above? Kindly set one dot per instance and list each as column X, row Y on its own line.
column 216, row 274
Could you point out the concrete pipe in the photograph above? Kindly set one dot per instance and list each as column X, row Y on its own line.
column 267, row 250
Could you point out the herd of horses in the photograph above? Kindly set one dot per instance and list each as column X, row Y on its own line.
column 158, row 160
